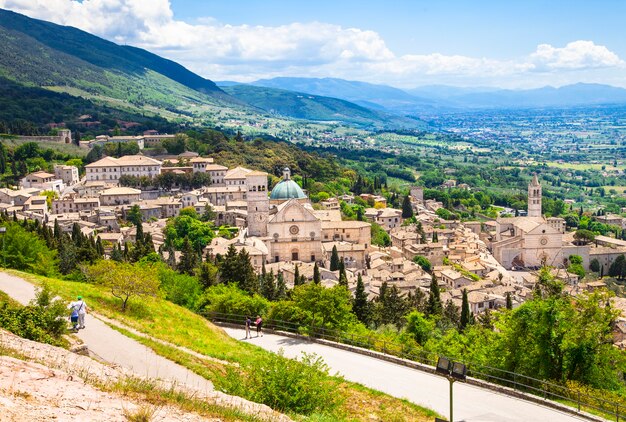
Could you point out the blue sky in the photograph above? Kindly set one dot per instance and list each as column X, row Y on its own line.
column 514, row 44
column 470, row 27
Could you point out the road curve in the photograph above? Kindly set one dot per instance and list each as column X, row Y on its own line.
column 114, row 347
column 471, row 404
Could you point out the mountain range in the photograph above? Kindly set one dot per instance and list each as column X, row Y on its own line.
column 40, row 54
column 444, row 99
column 36, row 53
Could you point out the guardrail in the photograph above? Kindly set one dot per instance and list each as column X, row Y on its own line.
column 576, row 400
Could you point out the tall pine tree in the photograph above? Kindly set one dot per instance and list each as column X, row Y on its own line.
column 360, row 305
column 434, row 298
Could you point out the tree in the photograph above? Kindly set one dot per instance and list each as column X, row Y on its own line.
column 466, row 315
column 125, row 280
column 379, row 236
column 207, row 275
column 618, row 268
column 134, row 215
column 435, row 237
column 509, row 301
column 25, row 251
column 576, row 265
column 584, row 237
column 317, row 279
column 334, row 259
column 247, row 278
column 281, row 287
column 360, row 305
column 116, row 253
column 297, row 280
column 419, row 327
column 594, row 265
column 423, row 262
column 434, row 298
column 407, row 208
column 188, row 259
column 450, row 317
column 229, row 266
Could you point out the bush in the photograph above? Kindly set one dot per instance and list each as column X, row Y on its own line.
column 25, row 251
column 303, row 387
column 182, row 289
column 43, row 320
column 229, row 299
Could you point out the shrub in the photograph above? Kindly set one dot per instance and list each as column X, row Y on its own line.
column 229, row 299
column 182, row 289
column 43, row 320
column 303, row 387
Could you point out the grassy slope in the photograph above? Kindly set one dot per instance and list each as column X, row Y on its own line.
column 165, row 321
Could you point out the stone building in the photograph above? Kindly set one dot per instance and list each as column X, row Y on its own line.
column 110, row 169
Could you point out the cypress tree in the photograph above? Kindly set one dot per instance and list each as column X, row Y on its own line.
column 465, row 311
column 509, row 301
column 188, row 259
column 297, row 280
column 407, row 208
column 229, row 267
column 360, row 305
column 116, row 253
column 268, row 288
column 281, row 287
column 435, row 237
column 434, row 298
column 317, row 279
column 343, row 278
column 100, row 247
column 57, row 230
column 247, row 277
column 206, row 275
column 334, row 259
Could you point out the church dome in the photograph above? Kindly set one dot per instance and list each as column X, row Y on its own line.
column 287, row 189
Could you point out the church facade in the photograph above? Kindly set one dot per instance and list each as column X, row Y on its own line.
column 284, row 221
column 533, row 241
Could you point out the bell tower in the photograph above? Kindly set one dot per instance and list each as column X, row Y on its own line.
column 534, row 197
column 258, row 203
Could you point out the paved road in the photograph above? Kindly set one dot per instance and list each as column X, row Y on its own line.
column 114, row 347
column 471, row 403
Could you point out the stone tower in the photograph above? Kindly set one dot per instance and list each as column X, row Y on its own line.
column 258, row 203
column 534, row 197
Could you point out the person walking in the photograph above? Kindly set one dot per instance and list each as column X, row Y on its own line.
column 80, row 307
column 74, row 318
column 248, row 324
column 259, row 325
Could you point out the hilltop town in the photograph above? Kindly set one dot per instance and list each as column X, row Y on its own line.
column 282, row 231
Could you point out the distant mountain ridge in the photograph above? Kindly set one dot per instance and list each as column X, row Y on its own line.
column 36, row 53
column 444, row 99
column 381, row 97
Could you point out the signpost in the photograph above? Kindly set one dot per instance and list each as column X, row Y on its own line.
column 453, row 371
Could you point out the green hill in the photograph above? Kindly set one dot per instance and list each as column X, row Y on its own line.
column 39, row 53
column 314, row 107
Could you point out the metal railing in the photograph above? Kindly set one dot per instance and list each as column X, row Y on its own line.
column 575, row 399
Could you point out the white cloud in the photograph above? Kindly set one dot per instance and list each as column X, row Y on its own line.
column 244, row 52
column 575, row 55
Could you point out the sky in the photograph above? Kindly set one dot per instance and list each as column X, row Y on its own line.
column 403, row 43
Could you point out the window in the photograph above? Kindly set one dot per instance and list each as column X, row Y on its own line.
column 294, row 256
column 312, row 258
column 276, row 258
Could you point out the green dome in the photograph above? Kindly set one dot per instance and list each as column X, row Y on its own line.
column 287, row 189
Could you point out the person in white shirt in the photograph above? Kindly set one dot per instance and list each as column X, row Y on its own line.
column 81, row 307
